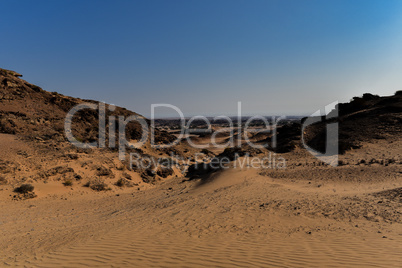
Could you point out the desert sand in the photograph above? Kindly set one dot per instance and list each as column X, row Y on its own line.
column 86, row 208
column 235, row 217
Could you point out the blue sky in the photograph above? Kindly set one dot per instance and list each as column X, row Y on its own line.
column 276, row 57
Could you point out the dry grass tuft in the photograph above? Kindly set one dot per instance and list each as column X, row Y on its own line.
column 3, row 180
column 68, row 183
column 123, row 182
column 97, row 185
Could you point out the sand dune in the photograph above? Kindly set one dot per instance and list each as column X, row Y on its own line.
column 237, row 219
column 128, row 247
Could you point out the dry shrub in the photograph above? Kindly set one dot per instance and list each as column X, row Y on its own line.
column 97, row 185
column 3, row 180
column 24, row 189
column 126, row 176
column 123, row 182
column 121, row 167
column 68, row 183
column 103, row 171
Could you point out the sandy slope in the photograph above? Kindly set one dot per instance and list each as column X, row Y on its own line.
column 235, row 218
column 122, row 250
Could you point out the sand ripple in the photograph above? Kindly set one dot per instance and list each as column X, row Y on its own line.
column 135, row 250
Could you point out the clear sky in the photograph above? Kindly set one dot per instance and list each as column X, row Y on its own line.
column 277, row 57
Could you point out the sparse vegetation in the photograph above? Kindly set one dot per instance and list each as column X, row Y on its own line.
column 121, row 167
column 24, row 189
column 205, row 151
column 3, row 180
column 68, row 183
column 97, row 185
column 391, row 161
column 127, row 176
column 103, row 171
column 123, row 182
column 71, row 156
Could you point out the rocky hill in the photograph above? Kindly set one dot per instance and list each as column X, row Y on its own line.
column 34, row 146
column 28, row 110
column 363, row 119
